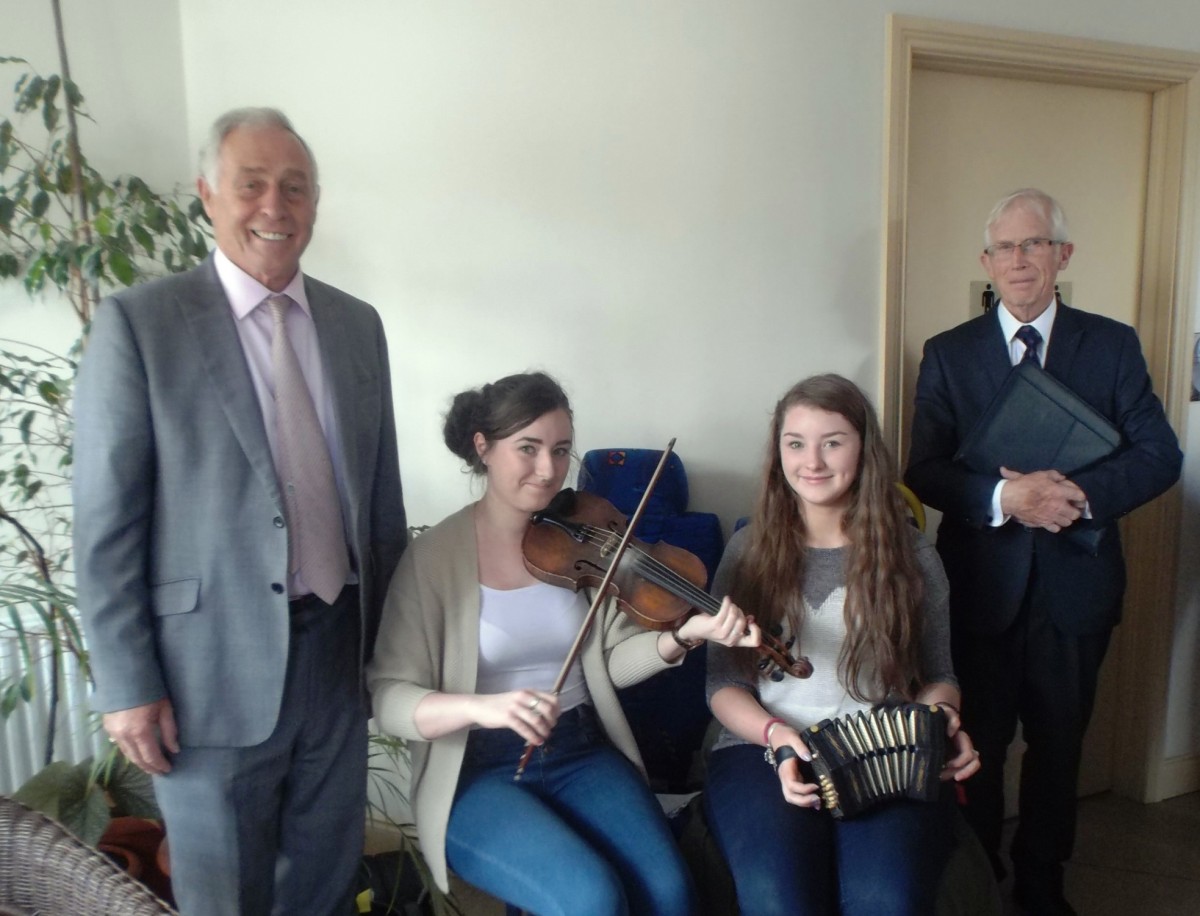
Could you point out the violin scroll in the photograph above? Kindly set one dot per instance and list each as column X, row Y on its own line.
column 777, row 660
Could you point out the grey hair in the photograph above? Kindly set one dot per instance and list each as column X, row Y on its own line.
column 1034, row 199
column 210, row 152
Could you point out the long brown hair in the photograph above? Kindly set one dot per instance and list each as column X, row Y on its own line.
column 884, row 585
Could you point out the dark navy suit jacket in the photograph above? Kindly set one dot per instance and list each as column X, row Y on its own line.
column 990, row 568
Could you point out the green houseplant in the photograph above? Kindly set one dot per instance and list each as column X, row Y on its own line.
column 64, row 227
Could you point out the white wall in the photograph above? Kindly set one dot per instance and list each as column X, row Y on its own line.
column 674, row 207
column 635, row 197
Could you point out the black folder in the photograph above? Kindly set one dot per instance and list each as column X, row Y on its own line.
column 1037, row 423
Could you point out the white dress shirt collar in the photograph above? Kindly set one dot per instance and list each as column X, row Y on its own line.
column 245, row 293
column 1044, row 322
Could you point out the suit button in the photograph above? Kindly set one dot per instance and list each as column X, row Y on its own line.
column 278, row 520
column 277, row 588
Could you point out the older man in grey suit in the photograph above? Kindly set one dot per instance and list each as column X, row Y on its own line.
column 238, row 515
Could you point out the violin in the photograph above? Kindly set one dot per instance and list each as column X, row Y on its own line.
column 600, row 545
column 571, row 543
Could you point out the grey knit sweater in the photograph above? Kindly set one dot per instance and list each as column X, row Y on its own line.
column 802, row 703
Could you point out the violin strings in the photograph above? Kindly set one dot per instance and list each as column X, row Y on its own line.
column 652, row 569
column 662, row 575
column 657, row 572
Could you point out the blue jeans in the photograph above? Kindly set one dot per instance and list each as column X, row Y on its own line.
column 794, row 860
column 580, row 833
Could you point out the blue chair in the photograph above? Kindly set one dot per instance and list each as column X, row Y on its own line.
column 621, row 476
column 668, row 712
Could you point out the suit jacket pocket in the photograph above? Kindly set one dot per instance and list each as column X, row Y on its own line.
column 179, row 596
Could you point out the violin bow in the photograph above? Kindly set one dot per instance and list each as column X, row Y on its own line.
column 601, row 594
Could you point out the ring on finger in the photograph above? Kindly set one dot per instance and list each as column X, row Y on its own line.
column 533, row 704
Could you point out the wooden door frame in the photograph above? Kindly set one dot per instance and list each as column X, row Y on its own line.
column 1164, row 314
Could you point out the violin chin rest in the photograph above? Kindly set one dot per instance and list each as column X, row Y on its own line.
column 562, row 505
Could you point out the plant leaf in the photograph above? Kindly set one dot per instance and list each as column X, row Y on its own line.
column 93, row 262
column 143, row 238
column 49, row 109
column 50, row 392
column 132, row 791
column 74, row 96
column 66, row 793
column 25, row 424
column 157, row 221
column 89, row 818
column 30, row 95
column 40, row 204
column 122, row 267
column 47, row 789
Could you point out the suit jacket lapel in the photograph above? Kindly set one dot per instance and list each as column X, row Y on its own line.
column 206, row 313
column 991, row 351
column 341, row 369
column 1065, row 339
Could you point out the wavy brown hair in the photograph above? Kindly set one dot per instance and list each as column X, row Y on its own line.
column 884, row 585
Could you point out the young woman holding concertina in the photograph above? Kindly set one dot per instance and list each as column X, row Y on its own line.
column 830, row 558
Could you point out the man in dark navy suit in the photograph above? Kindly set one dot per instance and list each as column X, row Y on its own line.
column 1032, row 607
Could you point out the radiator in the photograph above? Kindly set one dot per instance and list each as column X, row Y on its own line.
column 23, row 733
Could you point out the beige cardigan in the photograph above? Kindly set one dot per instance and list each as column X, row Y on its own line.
column 429, row 641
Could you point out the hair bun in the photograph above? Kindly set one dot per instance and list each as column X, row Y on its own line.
column 458, row 431
column 497, row 410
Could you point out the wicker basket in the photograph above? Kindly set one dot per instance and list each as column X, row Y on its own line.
column 45, row 870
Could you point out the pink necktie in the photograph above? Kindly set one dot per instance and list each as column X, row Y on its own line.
column 316, row 542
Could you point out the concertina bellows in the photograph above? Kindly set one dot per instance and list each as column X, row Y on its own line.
column 870, row 757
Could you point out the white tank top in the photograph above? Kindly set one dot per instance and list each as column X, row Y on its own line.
column 524, row 637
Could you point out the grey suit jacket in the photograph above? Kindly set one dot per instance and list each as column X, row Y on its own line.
column 180, row 539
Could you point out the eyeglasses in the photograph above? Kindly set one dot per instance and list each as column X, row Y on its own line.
column 1003, row 251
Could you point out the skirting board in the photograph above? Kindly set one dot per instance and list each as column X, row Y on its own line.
column 1180, row 775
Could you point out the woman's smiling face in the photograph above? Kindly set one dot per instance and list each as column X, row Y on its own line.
column 526, row 469
column 819, row 452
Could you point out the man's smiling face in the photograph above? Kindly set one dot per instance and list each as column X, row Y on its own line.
column 264, row 204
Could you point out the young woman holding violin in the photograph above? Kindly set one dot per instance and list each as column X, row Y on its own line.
column 468, row 649
column 829, row 558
